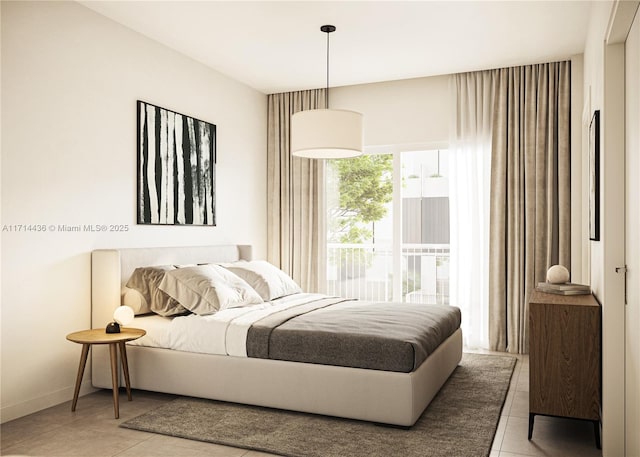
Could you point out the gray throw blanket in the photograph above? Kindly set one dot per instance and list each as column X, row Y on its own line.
column 372, row 335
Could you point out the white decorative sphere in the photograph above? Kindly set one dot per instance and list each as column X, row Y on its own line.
column 123, row 315
column 557, row 274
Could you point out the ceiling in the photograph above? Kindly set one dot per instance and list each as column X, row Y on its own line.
column 278, row 46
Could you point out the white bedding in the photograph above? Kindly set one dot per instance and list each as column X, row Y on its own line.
column 222, row 333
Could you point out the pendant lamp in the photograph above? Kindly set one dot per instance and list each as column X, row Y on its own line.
column 326, row 133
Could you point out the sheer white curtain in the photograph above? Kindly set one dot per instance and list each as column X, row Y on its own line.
column 469, row 185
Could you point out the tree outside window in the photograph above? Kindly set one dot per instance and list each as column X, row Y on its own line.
column 364, row 189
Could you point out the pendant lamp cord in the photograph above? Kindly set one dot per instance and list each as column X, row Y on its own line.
column 326, row 95
column 327, row 29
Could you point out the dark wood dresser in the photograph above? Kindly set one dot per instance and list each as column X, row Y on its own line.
column 565, row 358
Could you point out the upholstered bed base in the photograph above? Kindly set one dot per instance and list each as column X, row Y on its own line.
column 372, row 395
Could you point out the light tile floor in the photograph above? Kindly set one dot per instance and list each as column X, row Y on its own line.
column 92, row 430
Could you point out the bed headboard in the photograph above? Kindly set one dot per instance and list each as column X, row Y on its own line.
column 111, row 269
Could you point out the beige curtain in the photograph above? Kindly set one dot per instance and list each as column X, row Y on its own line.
column 295, row 203
column 530, row 193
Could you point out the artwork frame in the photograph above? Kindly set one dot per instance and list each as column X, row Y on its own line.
column 594, row 177
column 176, row 165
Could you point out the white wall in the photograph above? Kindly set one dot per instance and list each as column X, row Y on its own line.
column 70, row 81
column 594, row 97
column 411, row 111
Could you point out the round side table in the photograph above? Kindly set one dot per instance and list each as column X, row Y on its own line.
column 114, row 340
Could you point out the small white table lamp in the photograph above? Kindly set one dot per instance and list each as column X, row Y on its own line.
column 123, row 315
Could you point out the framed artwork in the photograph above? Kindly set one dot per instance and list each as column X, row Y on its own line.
column 176, row 168
column 594, row 177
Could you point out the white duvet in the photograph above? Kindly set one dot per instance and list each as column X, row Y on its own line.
column 223, row 333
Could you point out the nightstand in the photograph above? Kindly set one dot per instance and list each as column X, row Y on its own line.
column 115, row 341
column 565, row 358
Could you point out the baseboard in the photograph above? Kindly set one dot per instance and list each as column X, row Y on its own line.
column 11, row 412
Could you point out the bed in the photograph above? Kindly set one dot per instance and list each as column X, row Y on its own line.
column 376, row 395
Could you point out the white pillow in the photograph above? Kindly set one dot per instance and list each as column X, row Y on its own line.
column 268, row 280
column 207, row 289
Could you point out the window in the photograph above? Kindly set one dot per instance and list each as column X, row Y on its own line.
column 425, row 227
column 388, row 227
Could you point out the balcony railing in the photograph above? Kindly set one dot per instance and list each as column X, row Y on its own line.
column 365, row 272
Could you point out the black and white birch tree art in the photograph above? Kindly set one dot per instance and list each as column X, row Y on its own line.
column 176, row 168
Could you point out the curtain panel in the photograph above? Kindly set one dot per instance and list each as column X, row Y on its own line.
column 530, row 193
column 295, row 195
column 469, row 182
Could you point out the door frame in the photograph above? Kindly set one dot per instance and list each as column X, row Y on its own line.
column 632, row 361
column 613, row 225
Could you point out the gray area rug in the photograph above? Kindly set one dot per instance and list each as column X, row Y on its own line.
column 460, row 421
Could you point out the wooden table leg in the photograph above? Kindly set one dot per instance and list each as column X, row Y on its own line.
column 125, row 367
column 83, row 362
column 113, row 352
